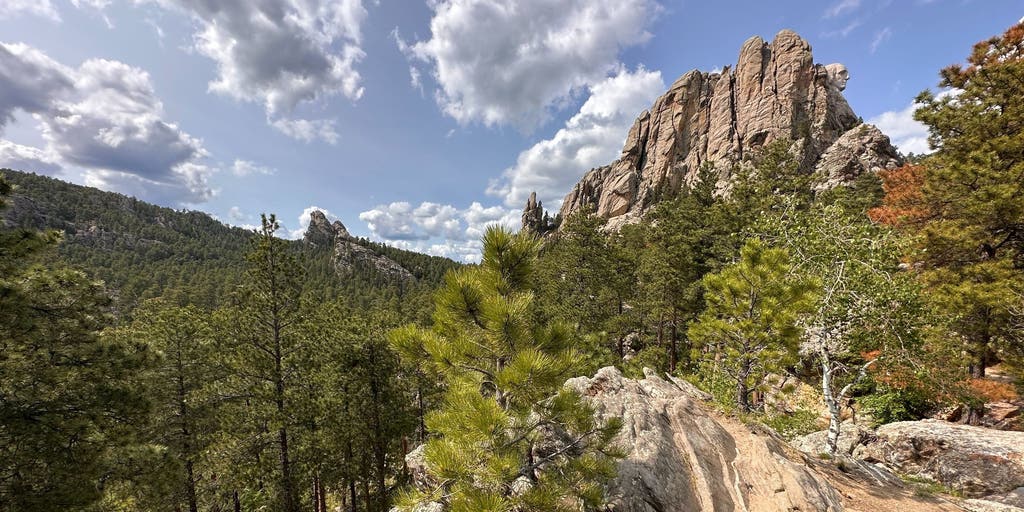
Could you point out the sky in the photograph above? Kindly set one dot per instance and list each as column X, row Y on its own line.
column 416, row 123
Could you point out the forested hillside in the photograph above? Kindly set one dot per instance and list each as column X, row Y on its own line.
column 143, row 251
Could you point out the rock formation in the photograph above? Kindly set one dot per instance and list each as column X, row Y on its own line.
column 533, row 215
column 349, row 254
column 775, row 91
column 681, row 456
column 971, row 460
column 321, row 232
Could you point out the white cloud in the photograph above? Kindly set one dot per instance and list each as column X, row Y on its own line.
column 104, row 117
column 247, row 168
column 30, row 81
column 906, row 133
column 279, row 53
column 236, row 214
column 880, row 38
column 499, row 62
column 842, row 7
column 41, row 8
column 845, row 31
column 592, row 137
column 308, row 130
column 27, row 158
column 440, row 230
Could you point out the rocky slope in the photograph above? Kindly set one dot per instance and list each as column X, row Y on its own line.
column 775, row 91
column 682, row 456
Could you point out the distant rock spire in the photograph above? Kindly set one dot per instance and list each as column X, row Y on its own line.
column 321, row 233
column 533, row 215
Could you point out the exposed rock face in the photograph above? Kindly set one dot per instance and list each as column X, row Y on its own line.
column 775, row 91
column 348, row 253
column 973, row 460
column 348, row 256
column 533, row 215
column 683, row 457
column 321, row 232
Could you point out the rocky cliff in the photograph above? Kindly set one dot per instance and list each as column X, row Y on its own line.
column 775, row 91
column 349, row 255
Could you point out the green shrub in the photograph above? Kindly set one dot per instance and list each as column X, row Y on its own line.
column 890, row 404
column 792, row 425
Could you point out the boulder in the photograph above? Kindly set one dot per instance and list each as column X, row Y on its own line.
column 972, row 460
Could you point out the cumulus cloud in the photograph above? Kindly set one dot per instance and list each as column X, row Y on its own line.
column 41, row 8
column 308, row 130
column 27, row 158
column 104, row 117
column 237, row 215
column 280, row 53
column 247, row 168
column 501, row 62
column 432, row 228
column 590, row 138
column 906, row 133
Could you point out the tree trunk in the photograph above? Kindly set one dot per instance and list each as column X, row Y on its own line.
column 673, row 348
column 237, row 502
column 186, row 443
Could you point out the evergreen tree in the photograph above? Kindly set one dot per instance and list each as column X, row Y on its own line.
column 67, row 395
column 751, row 324
column 971, row 228
column 493, row 449
column 264, row 356
column 181, row 386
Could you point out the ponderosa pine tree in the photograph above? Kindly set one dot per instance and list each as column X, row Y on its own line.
column 263, row 353
column 751, row 325
column 971, row 234
column 491, row 449
column 67, row 398
column 180, row 385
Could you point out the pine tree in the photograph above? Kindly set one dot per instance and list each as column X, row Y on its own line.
column 67, row 395
column 263, row 354
column 494, row 447
column 750, row 326
column 181, row 386
column 971, row 243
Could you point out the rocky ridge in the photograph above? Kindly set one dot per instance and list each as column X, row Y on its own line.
column 348, row 253
column 775, row 91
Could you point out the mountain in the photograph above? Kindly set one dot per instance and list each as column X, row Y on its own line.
column 142, row 250
column 775, row 92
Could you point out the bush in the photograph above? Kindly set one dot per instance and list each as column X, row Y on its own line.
column 793, row 425
column 888, row 405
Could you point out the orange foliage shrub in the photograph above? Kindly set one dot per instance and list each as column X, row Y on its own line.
column 903, row 203
column 993, row 391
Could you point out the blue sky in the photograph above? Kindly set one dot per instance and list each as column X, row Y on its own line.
column 417, row 123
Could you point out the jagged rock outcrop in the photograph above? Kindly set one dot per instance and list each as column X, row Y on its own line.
column 775, row 91
column 349, row 255
column 533, row 215
column 975, row 461
column 681, row 456
column 321, row 232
